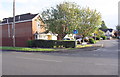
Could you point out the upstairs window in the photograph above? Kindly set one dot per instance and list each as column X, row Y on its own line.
column 38, row 24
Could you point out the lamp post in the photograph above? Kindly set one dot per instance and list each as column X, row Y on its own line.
column 13, row 23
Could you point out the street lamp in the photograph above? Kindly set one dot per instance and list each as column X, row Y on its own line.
column 13, row 23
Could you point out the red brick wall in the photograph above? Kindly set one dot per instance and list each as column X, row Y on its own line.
column 23, row 32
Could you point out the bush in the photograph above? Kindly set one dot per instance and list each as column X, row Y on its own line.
column 51, row 43
column 97, row 38
column 104, row 37
column 92, row 41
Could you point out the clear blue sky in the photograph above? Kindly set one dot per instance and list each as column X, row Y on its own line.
column 107, row 8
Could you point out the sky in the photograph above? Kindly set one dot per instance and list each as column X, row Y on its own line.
column 107, row 8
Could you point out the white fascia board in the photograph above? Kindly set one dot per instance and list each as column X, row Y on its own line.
column 39, row 15
column 35, row 17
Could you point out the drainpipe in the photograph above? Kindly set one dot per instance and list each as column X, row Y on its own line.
column 8, row 28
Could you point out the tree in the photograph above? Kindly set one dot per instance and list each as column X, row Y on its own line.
column 67, row 17
column 99, row 33
column 118, row 27
column 61, row 20
column 103, row 26
column 89, row 22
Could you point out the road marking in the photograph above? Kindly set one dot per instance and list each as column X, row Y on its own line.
column 39, row 59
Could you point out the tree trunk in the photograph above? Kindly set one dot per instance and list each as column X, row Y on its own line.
column 83, row 38
column 61, row 36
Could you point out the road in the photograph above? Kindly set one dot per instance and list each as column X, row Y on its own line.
column 101, row 61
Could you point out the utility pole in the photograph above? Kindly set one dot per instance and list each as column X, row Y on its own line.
column 13, row 23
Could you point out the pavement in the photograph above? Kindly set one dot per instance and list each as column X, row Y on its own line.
column 100, row 61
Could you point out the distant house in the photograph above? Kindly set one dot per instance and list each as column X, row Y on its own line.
column 27, row 27
column 109, row 32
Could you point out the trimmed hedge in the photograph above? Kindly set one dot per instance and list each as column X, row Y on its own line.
column 92, row 41
column 51, row 43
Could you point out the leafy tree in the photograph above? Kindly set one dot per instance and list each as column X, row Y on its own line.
column 67, row 17
column 89, row 22
column 61, row 20
column 118, row 27
column 99, row 32
column 103, row 26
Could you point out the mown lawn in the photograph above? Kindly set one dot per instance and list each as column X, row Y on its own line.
column 26, row 49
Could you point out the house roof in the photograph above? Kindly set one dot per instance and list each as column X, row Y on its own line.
column 21, row 17
column 105, row 30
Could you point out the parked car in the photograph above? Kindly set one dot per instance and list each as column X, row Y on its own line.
column 109, row 37
column 118, row 37
column 66, row 39
column 79, row 40
column 86, row 39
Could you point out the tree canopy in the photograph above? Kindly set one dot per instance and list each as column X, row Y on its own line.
column 99, row 32
column 103, row 25
column 118, row 27
column 66, row 17
column 90, row 21
column 62, row 19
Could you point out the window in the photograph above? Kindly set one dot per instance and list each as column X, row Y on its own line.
column 38, row 24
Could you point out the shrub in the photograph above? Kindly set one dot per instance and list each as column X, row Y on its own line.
column 51, row 43
column 92, row 41
column 104, row 37
column 97, row 38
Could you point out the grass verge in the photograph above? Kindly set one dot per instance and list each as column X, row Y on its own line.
column 26, row 49
column 82, row 46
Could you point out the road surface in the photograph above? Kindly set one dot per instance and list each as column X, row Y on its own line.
column 101, row 61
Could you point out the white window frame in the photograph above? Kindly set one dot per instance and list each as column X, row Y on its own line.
column 38, row 25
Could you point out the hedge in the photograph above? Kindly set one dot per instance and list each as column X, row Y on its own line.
column 51, row 43
column 92, row 41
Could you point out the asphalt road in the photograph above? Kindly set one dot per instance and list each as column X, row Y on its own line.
column 101, row 61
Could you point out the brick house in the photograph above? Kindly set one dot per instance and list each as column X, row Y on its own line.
column 27, row 27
